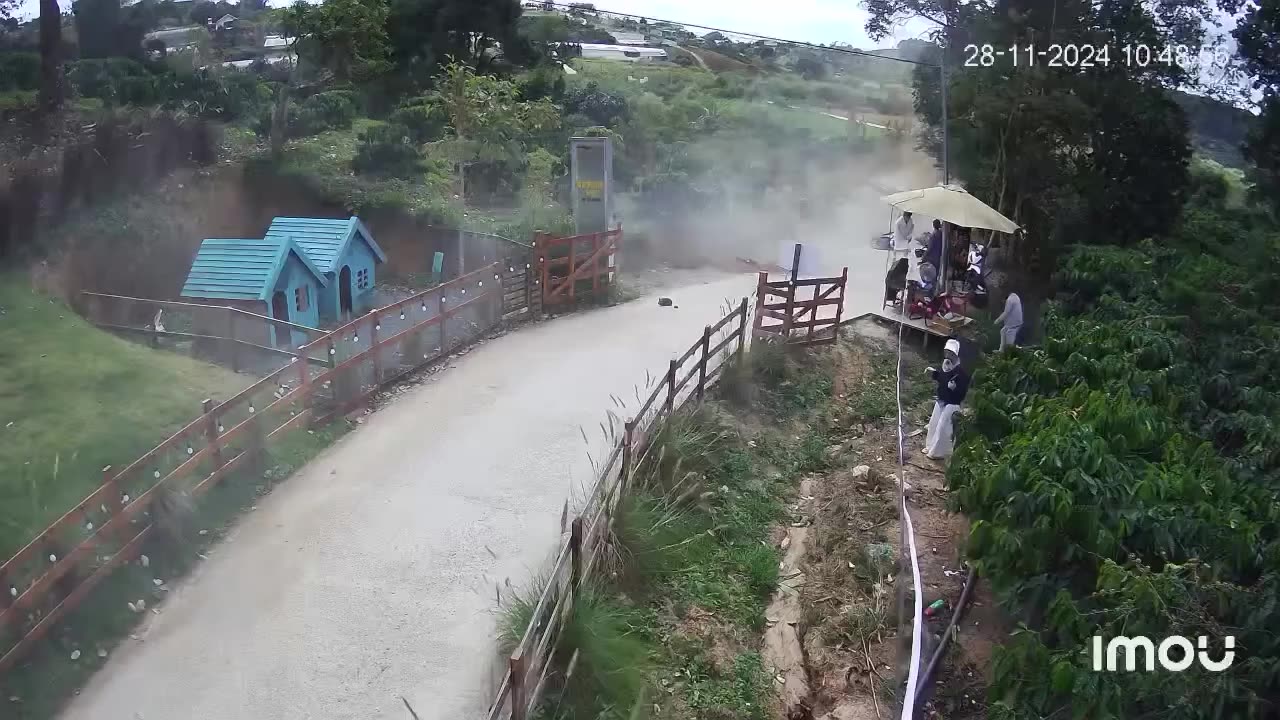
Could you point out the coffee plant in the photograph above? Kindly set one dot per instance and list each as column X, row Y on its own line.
column 1121, row 480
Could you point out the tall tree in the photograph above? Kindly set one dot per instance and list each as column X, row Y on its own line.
column 51, row 85
column 97, row 22
column 1074, row 154
column 346, row 37
column 426, row 32
column 1258, row 43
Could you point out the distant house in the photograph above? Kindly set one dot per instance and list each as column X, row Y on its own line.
column 226, row 22
column 623, row 52
column 344, row 252
column 628, row 38
column 176, row 38
column 276, row 42
column 268, row 276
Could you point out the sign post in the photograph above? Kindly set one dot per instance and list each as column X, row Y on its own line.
column 591, row 170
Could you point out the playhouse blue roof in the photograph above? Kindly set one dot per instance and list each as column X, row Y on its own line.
column 324, row 241
column 241, row 269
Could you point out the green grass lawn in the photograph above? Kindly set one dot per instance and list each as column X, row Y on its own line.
column 74, row 399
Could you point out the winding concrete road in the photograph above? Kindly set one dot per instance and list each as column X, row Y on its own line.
column 370, row 574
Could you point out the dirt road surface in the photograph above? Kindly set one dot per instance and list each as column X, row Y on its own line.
column 370, row 574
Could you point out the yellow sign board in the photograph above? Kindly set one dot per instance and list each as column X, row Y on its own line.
column 591, row 189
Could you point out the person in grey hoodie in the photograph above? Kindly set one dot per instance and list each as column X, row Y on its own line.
column 1010, row 321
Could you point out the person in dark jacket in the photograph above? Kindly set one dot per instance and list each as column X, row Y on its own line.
column 953, row 385
column 933, row 252
column 895, row 281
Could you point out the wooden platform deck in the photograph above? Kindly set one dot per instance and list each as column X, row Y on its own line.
column 897, row 317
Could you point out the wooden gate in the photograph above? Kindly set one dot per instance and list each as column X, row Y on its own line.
column 521, row 289
column 574, row 268
column 800, row 322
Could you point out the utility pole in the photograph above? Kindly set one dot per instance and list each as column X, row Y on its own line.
column 946, row 169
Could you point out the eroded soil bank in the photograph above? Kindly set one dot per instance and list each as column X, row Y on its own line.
column 835, row 647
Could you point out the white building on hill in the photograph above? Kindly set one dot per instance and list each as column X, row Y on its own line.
column 628, row 53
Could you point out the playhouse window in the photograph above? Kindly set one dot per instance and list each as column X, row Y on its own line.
column 302, row 298
column 362, row 279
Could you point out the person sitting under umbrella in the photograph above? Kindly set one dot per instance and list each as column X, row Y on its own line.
column 895, row 281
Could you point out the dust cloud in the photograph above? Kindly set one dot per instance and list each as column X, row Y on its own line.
column 830, row 205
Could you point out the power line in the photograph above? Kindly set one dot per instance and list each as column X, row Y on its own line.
column 800, row 43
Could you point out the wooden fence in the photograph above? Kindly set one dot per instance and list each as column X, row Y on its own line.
column 800, row 322
column 55, row 572
column 570, row 267
column 687, row 378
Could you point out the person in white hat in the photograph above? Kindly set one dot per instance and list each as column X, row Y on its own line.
column 953, row 385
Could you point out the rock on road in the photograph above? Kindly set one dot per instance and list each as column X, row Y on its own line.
column 365, row 577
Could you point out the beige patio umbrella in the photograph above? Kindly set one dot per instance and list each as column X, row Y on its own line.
column 952, row 204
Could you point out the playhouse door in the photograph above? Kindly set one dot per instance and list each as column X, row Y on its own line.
column 344, row 292
column 280, row 311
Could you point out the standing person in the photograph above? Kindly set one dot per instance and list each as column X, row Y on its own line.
column 904, row 232
column 933, row 254
column 953, row 385
column 1010, row 321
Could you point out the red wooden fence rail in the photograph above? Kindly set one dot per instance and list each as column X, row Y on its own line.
column 112, row 523
column 531, row 662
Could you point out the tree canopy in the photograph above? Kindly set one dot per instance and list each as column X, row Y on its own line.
column 346, row 37
column 1258, row 43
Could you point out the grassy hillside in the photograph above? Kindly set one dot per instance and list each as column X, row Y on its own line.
column 74, row 399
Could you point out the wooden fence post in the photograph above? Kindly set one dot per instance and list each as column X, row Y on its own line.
column 211, row 433
column 628, row 437
column 374, row 327
column 519, row 696
column 304, row 376
column 702, row 363
column 762, row 299
column 444, row 321
column 597, row 241
column 573, row 256
column 813, row 313
column 742, row 327
column 844, row 279
column 575, row 551
column 671, row 386
column 788, row 309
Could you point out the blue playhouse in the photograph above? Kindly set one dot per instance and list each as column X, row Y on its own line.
column 308, row 271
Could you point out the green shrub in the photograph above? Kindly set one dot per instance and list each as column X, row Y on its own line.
column 1121, row 478
column 332, row 110
column 19, row 71
column 424, row 120
column 387, row 151
column 105, row 79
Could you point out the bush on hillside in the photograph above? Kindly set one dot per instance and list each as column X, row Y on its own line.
column 19, row 71
column 332, row 110
column 423, row 118
column 604, row 107
column 387, row 151
column 225, row 95
column 114, row 81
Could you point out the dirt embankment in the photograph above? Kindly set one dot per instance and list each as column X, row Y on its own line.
column 851, row 660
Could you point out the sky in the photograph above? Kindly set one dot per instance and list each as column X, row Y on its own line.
column 815, row 21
